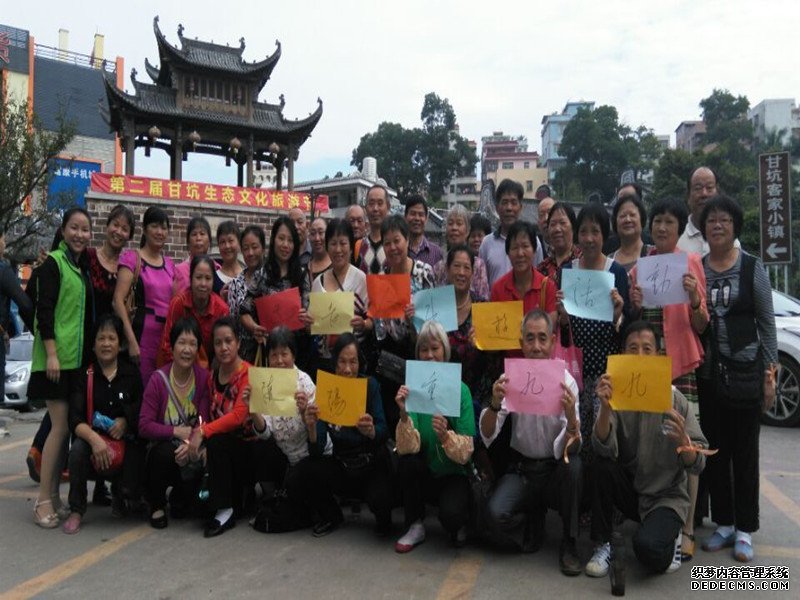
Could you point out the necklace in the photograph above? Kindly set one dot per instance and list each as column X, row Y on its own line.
column 178, row 383
column 464, row 304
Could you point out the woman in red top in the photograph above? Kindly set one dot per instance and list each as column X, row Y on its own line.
column 228, row 435
column 523, row 281
column 198, row 302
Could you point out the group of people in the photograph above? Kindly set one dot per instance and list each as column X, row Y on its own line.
column 130, row 346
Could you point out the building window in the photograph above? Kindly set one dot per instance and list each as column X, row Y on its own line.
column 452, row 189
column 528, row 185
column 527, row 165
column 508, row 164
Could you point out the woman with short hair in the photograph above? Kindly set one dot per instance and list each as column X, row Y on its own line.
column 434, row 452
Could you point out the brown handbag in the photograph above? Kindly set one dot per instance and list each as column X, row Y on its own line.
column 130, row 298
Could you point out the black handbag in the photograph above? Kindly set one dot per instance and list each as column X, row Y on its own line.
column 391, row 367
column 740, row 384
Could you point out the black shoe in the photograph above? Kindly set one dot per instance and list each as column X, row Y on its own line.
column 568, row 559
column 101, row 496
column 215, row 528
column 323, row 528
column 119, row 507
column 158, row 522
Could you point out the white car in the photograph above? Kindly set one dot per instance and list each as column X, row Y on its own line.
column 786, row 410
column 18, row 371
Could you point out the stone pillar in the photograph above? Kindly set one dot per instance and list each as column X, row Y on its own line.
column 291, row 173
column 250, row 181
column 176, row 158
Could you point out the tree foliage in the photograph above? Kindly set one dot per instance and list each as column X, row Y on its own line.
column 26, row 151
column 598, row 148
column 420, row 160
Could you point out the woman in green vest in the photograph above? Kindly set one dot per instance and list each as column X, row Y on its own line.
column 64, row 300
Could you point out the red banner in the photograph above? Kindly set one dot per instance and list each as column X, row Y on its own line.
column 209, row 193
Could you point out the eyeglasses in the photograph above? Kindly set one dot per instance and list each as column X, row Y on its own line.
column 724, row 221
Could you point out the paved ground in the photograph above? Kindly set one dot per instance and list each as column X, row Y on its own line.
column 128, row 559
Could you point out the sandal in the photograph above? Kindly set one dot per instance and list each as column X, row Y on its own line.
column 61, row 509
column 49, row 521
column 687, row 546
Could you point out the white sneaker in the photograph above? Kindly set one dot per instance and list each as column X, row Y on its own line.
column 413, row 538
column 598, row 564
column 676, row 556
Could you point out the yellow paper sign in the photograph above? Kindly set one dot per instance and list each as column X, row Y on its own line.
column 497, row 325
column 341, row 400
column 273, row 391
column 332, row 312
column 640, row 383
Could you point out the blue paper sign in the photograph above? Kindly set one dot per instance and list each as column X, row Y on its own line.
column 436, row 304
column 587, row 293
column 433, row 387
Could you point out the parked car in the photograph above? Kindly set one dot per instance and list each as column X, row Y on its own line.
column 18, row 371
column 786, row 410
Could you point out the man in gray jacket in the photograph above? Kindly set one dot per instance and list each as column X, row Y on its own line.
column 641, row 469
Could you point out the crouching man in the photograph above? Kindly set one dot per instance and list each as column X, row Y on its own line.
column 539, row 475
column 641, row 469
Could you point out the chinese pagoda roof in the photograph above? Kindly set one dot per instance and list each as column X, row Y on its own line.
column 200, row 56
column 155, row 103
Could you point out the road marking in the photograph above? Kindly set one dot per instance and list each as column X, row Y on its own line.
column 5, row 447
column 778, row 551
column 460, row 579
column 59, row 573
column 34, row 493
column 10, row 478
column 781, row 501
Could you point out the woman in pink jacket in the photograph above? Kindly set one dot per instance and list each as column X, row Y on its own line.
column 678, row 325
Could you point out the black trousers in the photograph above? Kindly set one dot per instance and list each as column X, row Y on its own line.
column 126, row 483
column 234, row 463
column 163, row 472
column 654, row 541
column 527, row 491
column 316, row 481
column 732, row 474
column 452, row 493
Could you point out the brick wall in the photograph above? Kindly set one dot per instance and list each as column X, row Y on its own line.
column 99, row 206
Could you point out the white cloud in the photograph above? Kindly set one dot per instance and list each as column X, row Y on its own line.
column 503, row 65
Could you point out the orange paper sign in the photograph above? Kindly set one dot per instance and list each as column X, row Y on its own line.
column 282, row 308
column 388, row 295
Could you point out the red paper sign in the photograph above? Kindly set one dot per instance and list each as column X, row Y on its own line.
column 282, row 308
column 210, row 193
column 388, row 295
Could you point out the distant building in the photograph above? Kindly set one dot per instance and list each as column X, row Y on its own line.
column 663, row 140
column 54, row 81
column 344, row 190
column 507, row 157
column 775, row 114
column 689, row 135
column 464, row 188
column 552, row 133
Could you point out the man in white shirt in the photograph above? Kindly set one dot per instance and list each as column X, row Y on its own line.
column 702, row 185
column 508, row 200
column 539, row 475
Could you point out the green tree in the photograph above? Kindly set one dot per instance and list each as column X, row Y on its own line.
column 421, row 160
column 598, row 148
column 26, row 151
column 725, row 116
column 396, row 150
column 672, row 172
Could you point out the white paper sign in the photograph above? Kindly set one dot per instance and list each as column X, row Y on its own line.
column 661, row 278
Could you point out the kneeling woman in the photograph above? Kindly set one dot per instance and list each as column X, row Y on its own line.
column 175, row 401
column 354, row 469
column 290, row 433
column 434, row 451
column 235, row 456
column 112, row 391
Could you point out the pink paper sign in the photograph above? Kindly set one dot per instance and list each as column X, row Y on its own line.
column 534, row 386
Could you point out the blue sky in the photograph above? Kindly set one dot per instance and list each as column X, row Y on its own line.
column 502, row 65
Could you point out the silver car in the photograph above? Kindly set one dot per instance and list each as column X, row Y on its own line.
column 786, row 410
column 18, row 371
